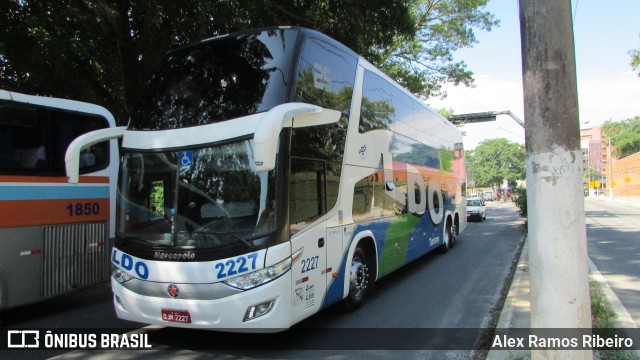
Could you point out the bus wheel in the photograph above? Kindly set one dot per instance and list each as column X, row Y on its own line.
column 454, row 234
column 359, row 277
column 448, row 240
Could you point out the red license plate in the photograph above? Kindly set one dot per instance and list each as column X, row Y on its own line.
column 178, row 316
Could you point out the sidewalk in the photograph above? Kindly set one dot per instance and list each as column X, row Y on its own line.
column 517, row 307
column 516, row 311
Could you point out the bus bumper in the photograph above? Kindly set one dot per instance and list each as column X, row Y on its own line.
column 225, row 314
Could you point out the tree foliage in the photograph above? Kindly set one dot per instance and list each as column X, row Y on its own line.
column 102, row 51
column 423, row 61
column 635, row 59
column 446, row 112
column 625, row 136
column 496, row 160
column 98, row 51
column 520, row 199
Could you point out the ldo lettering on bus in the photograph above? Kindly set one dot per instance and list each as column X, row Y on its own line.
column 127, row 262
column 419, row 206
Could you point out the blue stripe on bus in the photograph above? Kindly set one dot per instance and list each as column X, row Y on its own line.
column 53, row 192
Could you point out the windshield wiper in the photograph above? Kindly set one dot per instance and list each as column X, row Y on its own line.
column 249, row 245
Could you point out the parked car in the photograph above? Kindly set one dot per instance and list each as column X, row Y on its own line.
column 476, row 210
column 489, row 196
column 475, row 197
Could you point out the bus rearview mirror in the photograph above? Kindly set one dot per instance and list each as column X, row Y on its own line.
column 72, row 156
column 265, row 139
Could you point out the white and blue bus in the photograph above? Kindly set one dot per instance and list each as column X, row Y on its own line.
column 54, row 237
column 268, row 174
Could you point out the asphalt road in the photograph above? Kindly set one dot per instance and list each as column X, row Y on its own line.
column 613, row 235
column 436, row 300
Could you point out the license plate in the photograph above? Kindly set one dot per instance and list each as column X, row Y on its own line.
column 178, row 316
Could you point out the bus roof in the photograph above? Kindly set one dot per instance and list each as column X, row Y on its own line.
column 310, row 33
column 305, row 32
column 65, row 104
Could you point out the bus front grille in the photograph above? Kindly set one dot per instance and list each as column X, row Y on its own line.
column 75, row 256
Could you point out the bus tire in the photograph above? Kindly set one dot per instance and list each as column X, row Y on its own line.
column 359, row 280
column 454, row 235
column 449, row 238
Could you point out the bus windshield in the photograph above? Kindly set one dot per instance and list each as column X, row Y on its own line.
column 217, row 80
column 201, row 198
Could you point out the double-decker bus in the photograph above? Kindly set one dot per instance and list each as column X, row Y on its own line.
column 54, row 237
column 268, row 174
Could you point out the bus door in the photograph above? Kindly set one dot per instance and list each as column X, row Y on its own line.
column 307, row 205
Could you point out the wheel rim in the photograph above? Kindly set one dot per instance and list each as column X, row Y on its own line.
column 454, row 233
column 447, row 237
column 358, row 278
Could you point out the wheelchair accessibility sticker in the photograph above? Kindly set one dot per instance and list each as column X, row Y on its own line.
column 186, row 159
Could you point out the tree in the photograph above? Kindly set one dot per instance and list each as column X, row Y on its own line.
column 496, row 160
column 423, row 61
column 446, row 112
column 103, row 51
column 635, row 59
column 98, row 51
column 625, row 136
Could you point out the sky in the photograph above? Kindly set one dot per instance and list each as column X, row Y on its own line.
column 608, row 88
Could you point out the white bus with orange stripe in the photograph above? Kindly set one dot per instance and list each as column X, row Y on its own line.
column 54, row 237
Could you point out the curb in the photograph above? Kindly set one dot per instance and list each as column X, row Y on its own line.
column 518, row 295
column 517, row 307
column 623, row 321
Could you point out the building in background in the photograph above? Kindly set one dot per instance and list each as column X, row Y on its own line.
column 592, row 133
column 626, row 178
column 596, row 152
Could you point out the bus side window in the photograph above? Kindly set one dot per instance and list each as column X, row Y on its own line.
column 23, row 147
column 307, row 195
column 34, row 139
column 374, row 196
column 401, row 196
column 6, row 149
column 66, row 126
column 377, row 110
column 31, row 158
column 87, row 159
column 326, row 76
column 369, row 197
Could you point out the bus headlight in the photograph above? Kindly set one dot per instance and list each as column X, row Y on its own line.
column 121, row 276
column 257, row 278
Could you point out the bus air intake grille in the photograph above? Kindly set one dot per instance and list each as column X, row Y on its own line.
column 75, row 256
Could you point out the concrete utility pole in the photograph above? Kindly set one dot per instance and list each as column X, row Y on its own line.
column 558, row 248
